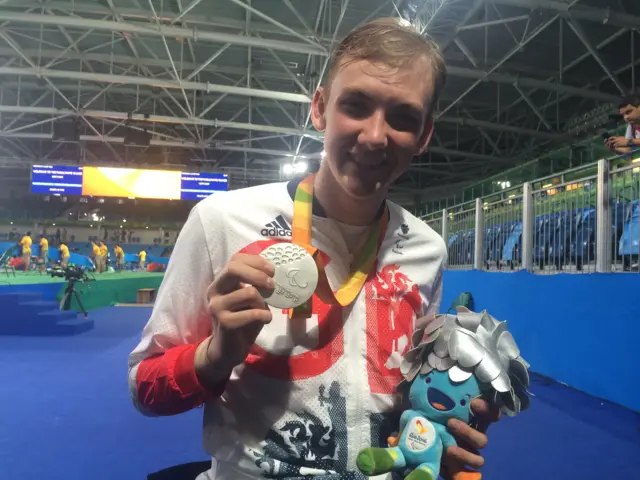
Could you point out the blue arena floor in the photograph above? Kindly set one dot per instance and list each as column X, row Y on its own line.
column 66, row 414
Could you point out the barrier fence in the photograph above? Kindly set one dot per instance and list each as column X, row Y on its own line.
column 583, row 220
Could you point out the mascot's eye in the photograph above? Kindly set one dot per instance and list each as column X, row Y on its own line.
column 463, row 402
column 428, row 380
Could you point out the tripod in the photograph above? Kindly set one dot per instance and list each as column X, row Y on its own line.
column 70, row 291
column 5, row 258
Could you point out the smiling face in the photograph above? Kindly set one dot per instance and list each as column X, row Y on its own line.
column 376, row 119
column 440, row 399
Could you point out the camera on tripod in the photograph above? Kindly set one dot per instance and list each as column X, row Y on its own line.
column 70, row 273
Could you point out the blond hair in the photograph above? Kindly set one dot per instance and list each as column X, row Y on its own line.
column 388, row 42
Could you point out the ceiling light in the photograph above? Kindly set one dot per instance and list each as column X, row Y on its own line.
column 290, row 169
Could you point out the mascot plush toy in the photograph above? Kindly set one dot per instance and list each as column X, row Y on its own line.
column 452, row 360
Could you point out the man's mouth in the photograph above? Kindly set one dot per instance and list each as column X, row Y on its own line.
column 439, row 400
column 368, row 161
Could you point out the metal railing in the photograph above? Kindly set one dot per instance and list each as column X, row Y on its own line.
column 461, row 228
column 502, row 227
column 434, row 220
column 624, row 238
column 583, row 220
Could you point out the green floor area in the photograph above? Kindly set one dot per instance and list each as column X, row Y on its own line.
column 112, row 288
column 22, row 278
column 107, row 289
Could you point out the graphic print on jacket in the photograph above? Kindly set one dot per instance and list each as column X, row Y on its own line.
column 393, row 305
column 307, row 445
column 313, row 441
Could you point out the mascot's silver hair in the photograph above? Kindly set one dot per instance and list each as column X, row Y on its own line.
column 471, row 343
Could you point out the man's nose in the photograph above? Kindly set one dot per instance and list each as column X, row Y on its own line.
column 373, row 135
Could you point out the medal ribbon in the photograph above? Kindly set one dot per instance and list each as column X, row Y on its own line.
column 364, row 260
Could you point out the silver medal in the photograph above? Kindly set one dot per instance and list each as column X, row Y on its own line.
column 296, row 275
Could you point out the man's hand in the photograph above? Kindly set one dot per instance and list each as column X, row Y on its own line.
column 470, row 441
column 617, row 142
column 239, row 312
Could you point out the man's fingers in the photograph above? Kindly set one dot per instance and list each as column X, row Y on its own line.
column 256, row 261
column 457, row 458
column 240, row 307
column 250, row 269
column 466, row 435
column 242, row 299
column 234, row 320
column 485, row 414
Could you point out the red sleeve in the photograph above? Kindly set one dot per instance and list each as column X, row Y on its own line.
column 167, row 384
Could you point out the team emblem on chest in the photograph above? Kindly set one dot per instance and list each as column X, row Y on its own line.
column 420, row 435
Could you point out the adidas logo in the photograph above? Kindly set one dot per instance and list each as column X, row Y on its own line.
column 278, row 228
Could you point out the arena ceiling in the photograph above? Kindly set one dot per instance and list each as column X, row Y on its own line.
column 225, row 85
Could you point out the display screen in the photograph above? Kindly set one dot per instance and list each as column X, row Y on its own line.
column 196, row 186
column 56, row 180
column 126, row 182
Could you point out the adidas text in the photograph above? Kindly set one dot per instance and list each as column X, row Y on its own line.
column 275, row 232
column 278, row 228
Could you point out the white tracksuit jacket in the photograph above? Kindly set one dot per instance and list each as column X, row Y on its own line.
column 310, row 395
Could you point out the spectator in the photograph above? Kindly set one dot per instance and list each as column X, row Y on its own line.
column 630, row 110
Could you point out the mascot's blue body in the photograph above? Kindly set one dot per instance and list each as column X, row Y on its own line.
column 434, row 400
column 453, row 360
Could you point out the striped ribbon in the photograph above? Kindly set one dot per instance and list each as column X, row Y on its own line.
column 362, row 265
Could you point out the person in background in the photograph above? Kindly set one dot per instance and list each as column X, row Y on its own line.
column 64, row 255
column 25, row 243
column 143, row 258
column 119, row 257
column 630, row 110
column 95, row 254
column 44, row 253
column 298, row 398
column 104, row 252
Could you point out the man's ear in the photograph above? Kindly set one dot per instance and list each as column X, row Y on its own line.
column 318, row 109
column 426, row 136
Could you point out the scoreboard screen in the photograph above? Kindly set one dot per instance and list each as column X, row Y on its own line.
column 126, row 182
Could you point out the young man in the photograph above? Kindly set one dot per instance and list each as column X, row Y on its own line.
column 630, row 111
column 293, row 398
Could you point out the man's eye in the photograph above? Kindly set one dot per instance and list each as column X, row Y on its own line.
column 403, row 123
column 353, row 108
